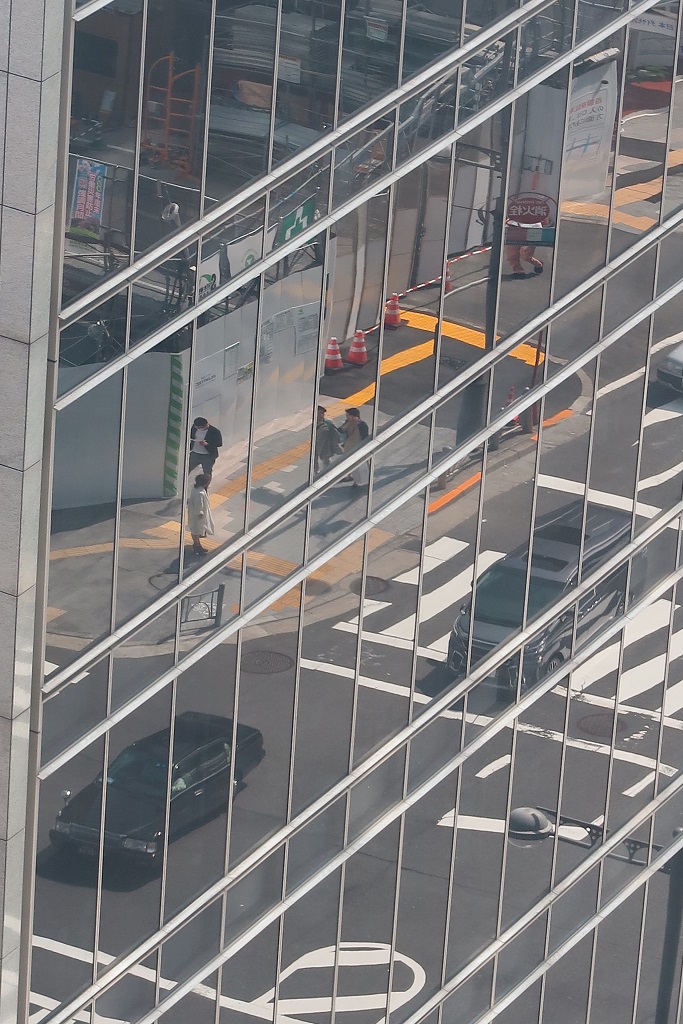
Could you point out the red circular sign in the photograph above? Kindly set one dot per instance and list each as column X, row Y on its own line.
column 530, row 208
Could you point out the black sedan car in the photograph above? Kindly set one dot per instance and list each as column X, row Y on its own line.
column 136, row 788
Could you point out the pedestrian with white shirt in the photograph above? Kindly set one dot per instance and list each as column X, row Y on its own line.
column 199, row 518
column 205, row 441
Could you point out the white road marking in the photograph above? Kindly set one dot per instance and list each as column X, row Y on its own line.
column 435, row 555
column 665, row 412
column 655, row 617
column 556, row 483
column 621, row 383
column 641, row 678
column 660, row 478
column 494, row 766
column 50, row 667
column 391, row 641
column 673, row 339
column 351, row 954
column 496, row 826
column 369, row 608
column 638, row 787
column 442, row 597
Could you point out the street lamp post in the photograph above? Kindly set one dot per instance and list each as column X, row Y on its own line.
column 529, row 825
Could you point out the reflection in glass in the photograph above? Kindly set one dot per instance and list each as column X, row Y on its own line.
column 87, row 344
column 172, row 129
column 84, row 488
column 102, row 145
column 66, row 881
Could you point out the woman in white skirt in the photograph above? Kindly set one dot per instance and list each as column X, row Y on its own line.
column 199, row 518
column 356, row 431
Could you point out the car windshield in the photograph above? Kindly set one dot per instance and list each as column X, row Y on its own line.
column 139, row 773
column 500, row 596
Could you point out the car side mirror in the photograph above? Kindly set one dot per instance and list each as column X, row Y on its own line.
column 463, row 609
column 66, row 796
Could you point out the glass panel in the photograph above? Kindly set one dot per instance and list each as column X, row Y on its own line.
column 285, row 381
column 306, row 76
column 205, row 773
column 531, row 213
column 241, row 96
column 429, row 33
column 162, row 295
column 199, row 1006
column 423, row 881
column 567, row 985
column 309, row 956
column 389, row 627
column 426, row 118
column 587, row 165
column 173, row 118
column 71, row 711
column 370, row 55
column 249, row 977
column 266, row 701
column 645, row 114
column 142, row 657
column 135, row 826
column 326, row 681
column 89, row 343
column 67, row 875
column 151, row 479
column 367, row 911
column 366, row 155
column 133, row 996
column 193, row 945
column 102, row 143
column 86, row 458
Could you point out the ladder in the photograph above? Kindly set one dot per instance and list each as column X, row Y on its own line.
column 169, row 114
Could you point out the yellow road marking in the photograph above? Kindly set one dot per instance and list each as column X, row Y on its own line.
column 445, row 499
column 563, row 414
column 427, row 322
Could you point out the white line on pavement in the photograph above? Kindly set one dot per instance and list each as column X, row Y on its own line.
column 494, row 766
column 442, row 597
column 615, row 385
column 556, row 483
column 664, row 412
column 435, row 555
column 369, row 608
column 673, row 339
column 660, row 478
column 638, row 787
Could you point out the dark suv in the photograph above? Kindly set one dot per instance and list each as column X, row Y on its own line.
column 499, row 599
column 136, row 784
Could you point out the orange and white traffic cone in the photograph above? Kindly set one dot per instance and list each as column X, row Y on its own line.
column 447, row 283
column 333, row 359
column 358, row 353
column 392, row 314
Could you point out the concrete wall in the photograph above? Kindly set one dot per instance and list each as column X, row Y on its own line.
column 30, row 59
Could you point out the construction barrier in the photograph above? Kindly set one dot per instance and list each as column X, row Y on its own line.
column 358, row 353
column 333, row 359
column 392, row 314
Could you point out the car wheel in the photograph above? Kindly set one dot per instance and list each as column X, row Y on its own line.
column 553, row 664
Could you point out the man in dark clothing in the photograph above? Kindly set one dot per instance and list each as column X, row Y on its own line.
column 205, row 441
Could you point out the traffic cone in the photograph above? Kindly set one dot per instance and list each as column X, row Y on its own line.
column 333, row 359
column 358, row 354
column 448, row 285
column 392, row 315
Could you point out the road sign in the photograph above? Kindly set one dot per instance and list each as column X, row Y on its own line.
column 530, row 208
column 292, row 224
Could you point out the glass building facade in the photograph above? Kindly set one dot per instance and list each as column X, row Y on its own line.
column 386, row 731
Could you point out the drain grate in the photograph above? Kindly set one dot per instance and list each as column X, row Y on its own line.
column 601, row 724
column 266, row 663
column 373, row 585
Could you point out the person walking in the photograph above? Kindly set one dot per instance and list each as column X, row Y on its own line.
column 199, row 518
column 518, row 254
column 356, row 433
column 205, row 441
column 326, row 440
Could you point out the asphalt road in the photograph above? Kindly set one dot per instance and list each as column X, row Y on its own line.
column 337, row 723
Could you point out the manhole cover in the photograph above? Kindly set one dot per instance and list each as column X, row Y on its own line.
column 373, row 585
column 601, row 725
column 266, row 663
column 316, row 588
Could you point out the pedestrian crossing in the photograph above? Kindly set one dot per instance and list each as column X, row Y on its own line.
column 446, row 583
